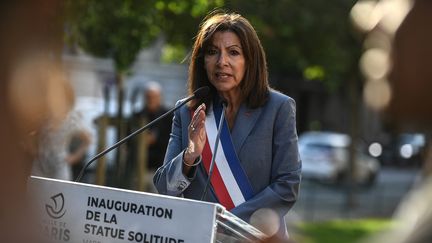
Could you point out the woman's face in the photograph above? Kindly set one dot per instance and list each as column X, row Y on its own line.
column 224, row 62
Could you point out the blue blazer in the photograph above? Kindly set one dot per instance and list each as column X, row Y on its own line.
column 265, row 140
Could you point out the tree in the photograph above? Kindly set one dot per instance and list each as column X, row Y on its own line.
column 306, row 39
column 120, row 29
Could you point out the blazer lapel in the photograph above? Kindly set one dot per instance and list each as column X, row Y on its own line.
column 245, row 121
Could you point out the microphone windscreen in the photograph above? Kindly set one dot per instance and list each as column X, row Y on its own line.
column 201, row 92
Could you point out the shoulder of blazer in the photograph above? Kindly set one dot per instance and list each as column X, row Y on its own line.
column 182, row 110
column 277, row 98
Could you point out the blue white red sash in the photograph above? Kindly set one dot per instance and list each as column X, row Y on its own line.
column 229, row 180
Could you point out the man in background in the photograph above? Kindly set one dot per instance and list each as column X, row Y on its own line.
column 158, row 135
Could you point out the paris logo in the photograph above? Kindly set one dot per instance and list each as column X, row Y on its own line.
column 55, row 208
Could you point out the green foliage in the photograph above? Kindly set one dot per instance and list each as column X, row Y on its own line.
column 120, row 29
column 302, row 34
column 180, row 27
column 341, row 230
column 314, row 73
column 115, row 29
column 173, row 53
column 307, row 39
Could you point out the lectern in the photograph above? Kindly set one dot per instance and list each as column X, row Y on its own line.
column 77, row 212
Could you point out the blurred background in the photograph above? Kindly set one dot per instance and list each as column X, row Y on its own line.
column 360, row 72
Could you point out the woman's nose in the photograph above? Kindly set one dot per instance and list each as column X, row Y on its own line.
column 222, row 59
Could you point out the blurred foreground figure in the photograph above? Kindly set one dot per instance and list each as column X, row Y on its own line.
column 55, row 154
column 62, row 148
column 404, row 37
column 29, row 94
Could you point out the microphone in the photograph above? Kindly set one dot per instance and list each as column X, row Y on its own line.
column 198, row 94
column 216, row 145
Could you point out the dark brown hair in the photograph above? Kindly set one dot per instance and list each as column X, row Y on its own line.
column 254, row 86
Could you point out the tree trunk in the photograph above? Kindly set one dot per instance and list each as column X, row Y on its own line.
column 120, row 128
column 353, row 132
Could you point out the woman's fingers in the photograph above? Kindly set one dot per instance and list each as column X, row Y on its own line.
column 198, row 118
column 197, row 126
column 196, row 134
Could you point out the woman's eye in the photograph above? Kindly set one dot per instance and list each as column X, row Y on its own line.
column 234, row 52
column 211, row 52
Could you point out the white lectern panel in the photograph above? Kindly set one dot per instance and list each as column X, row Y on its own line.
column 76, row 212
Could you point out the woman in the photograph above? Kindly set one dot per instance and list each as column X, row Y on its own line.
column 259, row 140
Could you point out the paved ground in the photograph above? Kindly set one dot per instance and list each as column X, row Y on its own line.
column 320, row 202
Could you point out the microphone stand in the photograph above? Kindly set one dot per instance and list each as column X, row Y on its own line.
column 215, row 150
column 78, row 179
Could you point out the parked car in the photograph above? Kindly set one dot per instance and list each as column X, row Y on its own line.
column 410, row 148
column 325, row 157
column 405, row 149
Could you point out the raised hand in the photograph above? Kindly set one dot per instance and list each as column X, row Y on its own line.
column 197, row 135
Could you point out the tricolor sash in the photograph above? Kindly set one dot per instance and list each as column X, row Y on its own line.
column 229, row 180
